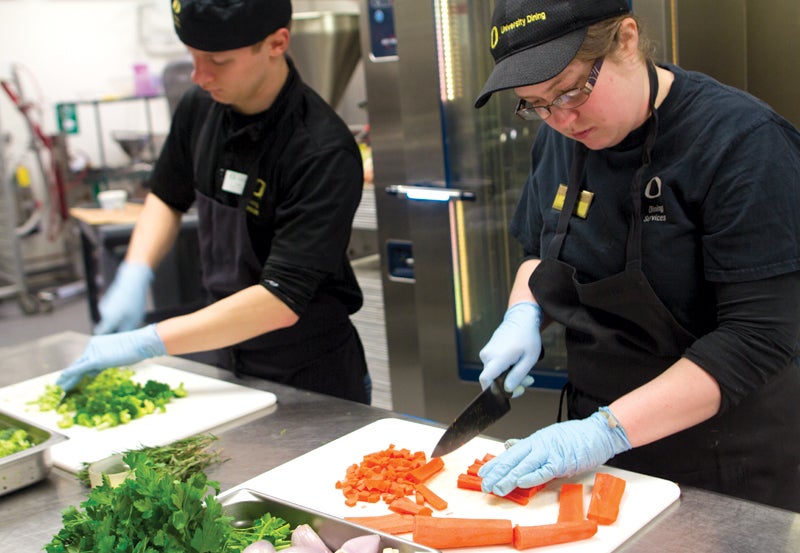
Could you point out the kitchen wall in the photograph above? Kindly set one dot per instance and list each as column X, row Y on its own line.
column 68, row 50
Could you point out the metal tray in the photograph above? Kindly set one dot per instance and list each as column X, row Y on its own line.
column 246, row 505
column 31, row 465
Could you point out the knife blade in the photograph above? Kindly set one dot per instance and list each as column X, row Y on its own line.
column 64, row 396
column 487, row 407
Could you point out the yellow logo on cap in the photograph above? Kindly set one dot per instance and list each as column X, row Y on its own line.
column 495, row 36
column 520, row 22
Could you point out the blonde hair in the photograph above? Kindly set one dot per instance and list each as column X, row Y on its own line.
column 602, row 39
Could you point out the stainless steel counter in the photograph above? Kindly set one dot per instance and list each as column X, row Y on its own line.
column 700, row 522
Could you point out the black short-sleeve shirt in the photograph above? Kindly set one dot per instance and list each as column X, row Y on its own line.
column 721, row 199
column 720, row 207
column 310, row 179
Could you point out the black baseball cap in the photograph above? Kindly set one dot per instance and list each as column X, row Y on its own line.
column 218, row 25
column 532, row 41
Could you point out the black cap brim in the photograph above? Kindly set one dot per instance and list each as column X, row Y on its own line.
column 532, row 66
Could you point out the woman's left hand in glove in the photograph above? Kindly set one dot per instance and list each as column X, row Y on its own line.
column 556, row 451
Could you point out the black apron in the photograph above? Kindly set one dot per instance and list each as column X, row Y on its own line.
column 322, row 352
column 620, row 335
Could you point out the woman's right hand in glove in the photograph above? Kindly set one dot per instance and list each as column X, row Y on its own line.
column 515, row 344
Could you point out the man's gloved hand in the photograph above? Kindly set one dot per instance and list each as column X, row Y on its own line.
column 124, row 303
column 516, row 343
column 113, row 350
column 559, row 450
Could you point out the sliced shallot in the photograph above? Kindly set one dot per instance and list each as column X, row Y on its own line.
column 260, row 546
column 305, row 536
column 362, row 544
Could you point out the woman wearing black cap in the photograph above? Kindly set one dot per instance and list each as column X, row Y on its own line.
column 661, row 225
column 276, row 178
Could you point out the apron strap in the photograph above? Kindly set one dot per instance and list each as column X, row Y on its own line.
column 633, row 248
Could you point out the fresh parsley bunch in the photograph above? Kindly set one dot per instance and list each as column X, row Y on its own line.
column 158, row 511
column 149, row 513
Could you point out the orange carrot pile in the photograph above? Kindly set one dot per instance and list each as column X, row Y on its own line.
column 380, row 476
column 391, row 474
column 449, row 533
column 397, row 477
column 606, row 497
column 470, row 480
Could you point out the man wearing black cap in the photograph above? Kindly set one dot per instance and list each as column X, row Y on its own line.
column 276, row 178
column 661, row 226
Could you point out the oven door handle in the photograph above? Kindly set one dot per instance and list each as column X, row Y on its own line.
column 429, row 193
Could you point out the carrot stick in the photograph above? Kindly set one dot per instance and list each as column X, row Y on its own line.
column 448, row 533
column 519, row 495
column 406, row 506
column 393, row 523
column 426, row 471
column 570, row 503
column 523, row 495
column 526, row 537
column 469, row 482
column 606, row 497
column 430, row 496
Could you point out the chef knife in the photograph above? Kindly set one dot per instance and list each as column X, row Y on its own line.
column 488, row 407
column 64, row 395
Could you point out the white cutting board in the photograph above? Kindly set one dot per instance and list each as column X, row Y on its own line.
column 309, row 481
column 209, row 404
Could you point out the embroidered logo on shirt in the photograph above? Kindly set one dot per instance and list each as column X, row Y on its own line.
column 655, row 212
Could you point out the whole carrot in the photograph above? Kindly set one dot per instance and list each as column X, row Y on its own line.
column 450, row 533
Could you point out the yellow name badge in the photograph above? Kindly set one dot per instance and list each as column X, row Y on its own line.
column 581, row 207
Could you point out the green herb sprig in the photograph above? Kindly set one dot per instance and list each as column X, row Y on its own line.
column 179, row 459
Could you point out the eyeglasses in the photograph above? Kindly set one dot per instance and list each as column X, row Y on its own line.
column 570, row 99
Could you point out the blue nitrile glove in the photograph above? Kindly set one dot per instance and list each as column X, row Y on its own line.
column 113, row 350
column 124, row 303
column 560, row 450
column 515, row 344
